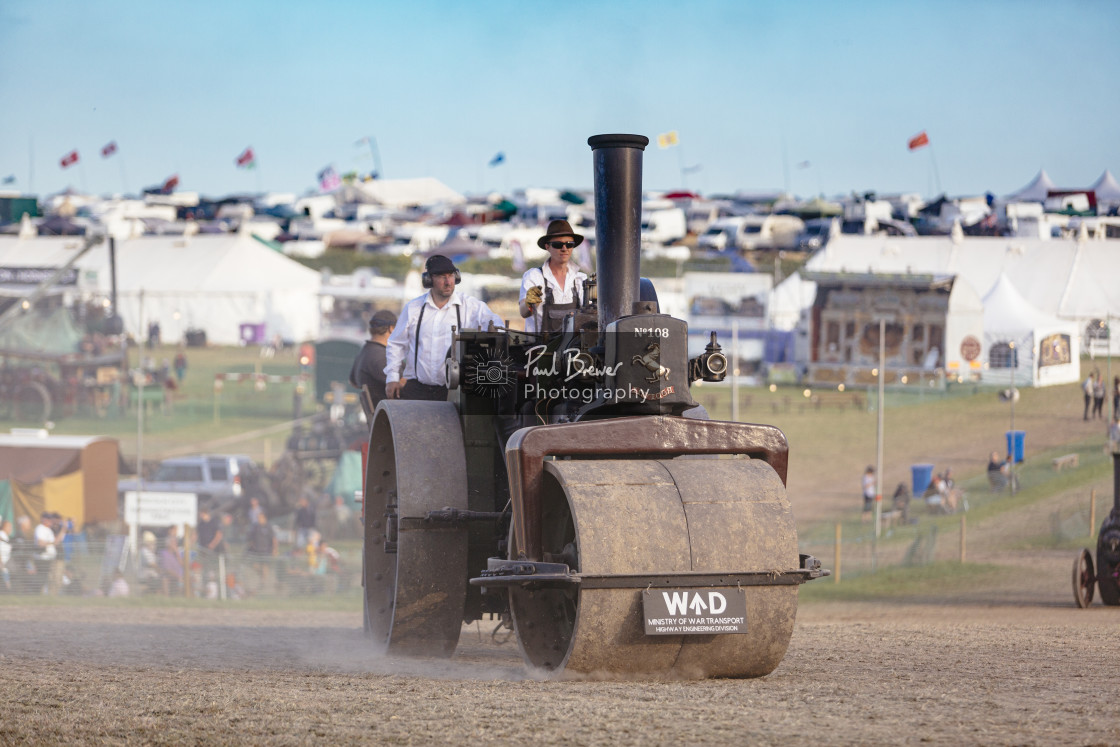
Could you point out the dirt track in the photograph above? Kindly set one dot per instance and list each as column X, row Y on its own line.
column 1027, row 668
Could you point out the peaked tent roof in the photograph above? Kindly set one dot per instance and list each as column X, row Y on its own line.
column 1106, row 188
column 1007, row 312
column 398, row 193
column 1037, row 191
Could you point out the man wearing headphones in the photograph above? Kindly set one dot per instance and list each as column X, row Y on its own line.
column 423, row 333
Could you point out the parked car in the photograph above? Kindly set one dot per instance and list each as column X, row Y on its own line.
column 752, row 232
column 221, row 482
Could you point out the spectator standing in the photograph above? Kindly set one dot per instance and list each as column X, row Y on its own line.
column 868, row 485
column 304, row 522
column 171, row 564
column 254, row 510
column 149, row 564
column 209, row 533
column 261, row 546
column 5, row 554
column 1115, row 395
column 1098, row 395
column 1087, row 391
column 180, row 366
column 46, row 557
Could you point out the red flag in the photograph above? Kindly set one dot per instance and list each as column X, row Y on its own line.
column 170, row 185
column 109, row 149
column 919, row 140
column 69, row 159
column 246, row 159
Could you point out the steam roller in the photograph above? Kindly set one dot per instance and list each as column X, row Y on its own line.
column 1105, row 576
column 572, row 488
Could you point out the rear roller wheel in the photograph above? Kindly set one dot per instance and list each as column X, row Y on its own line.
column 415, row 573
column 658, row 518
column 1083, row 579
column 1108, row 563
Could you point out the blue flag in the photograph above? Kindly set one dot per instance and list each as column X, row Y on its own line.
column 11, row 179
column 498, row 159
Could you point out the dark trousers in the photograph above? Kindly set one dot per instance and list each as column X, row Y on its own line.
column 413, row 389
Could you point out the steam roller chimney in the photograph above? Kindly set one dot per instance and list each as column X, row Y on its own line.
column 618, row 222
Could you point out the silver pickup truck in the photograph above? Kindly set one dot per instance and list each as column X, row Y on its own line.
column 218, row 480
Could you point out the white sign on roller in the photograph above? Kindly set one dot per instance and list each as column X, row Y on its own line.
column 695, row 611
column 160, row 509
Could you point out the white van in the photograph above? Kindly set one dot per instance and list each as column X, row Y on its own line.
column 663, row 227
column 752, row 232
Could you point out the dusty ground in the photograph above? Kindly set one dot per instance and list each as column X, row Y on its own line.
column 1018, row 665
column 1012, row 662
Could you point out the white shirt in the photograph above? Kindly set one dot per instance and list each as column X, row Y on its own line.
column 44, row 540
column 543, row 277
column 5, row 548
column 435, row 336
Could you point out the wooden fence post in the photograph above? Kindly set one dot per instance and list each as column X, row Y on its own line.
column 963, row 533
column 836, row 572
column 1092, row 512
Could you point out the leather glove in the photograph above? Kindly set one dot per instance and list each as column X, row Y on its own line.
column 534, row 295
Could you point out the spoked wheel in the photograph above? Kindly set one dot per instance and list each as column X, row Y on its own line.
column 415, row 572
column 33, row 402
column 1083, row 579
column 658, row 518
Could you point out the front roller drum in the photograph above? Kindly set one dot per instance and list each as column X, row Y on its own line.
column 611, row 519
column 415, row 571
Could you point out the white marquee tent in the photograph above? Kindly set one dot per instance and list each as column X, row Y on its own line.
column 214, row 283
column 1106, row 190
column 1066, row 278
column 1037, row 191
column 399, row 193
column 1024, row 346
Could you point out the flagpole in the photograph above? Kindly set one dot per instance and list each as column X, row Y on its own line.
column 124, row 179
column 785, row 162
column 371, row 143
column 936, row 176
column 30, row 164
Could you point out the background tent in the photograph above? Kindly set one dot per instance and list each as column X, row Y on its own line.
column 1037, row 191
column 1106, row 190
column 399, row 193
column 210, row 282
column 75, row 476
column 1025, row 346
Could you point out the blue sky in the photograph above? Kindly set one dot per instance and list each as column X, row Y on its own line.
column 754, row 89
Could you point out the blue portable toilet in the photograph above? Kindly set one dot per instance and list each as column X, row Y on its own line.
column 921, row 476
column 1015, row 445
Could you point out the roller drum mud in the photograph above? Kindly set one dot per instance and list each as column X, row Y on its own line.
column 615, row 522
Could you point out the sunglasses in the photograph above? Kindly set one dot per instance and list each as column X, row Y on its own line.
column 562, row 244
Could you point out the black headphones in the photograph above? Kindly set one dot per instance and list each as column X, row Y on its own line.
column 426, row 277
